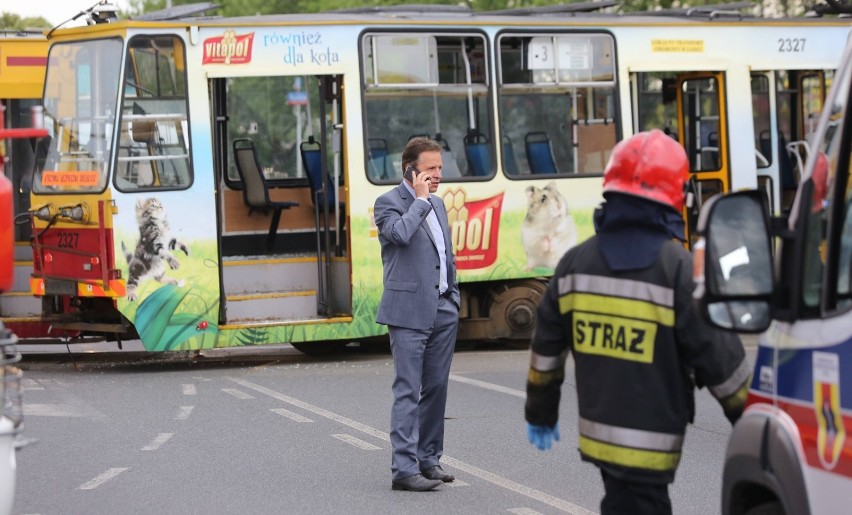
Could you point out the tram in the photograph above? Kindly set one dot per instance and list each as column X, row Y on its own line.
column 209, row 182
column 23, row 59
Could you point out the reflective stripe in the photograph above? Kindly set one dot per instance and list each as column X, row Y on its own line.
column 546, row 378
column 545, row 363
column 628, row 437
column 618, row 306
column 612, row 287
column 626, row 457
column 731, row 385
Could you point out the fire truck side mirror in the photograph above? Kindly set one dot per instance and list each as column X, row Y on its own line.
column 733, row 262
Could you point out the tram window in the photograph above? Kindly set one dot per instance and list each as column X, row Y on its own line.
column 153, row 150
column 656, row 105
column 427, row 84
column 255, row 110
column 557, row 103
column 812, row 97
column 760, row 109
column 701, row 123
column 81, row 91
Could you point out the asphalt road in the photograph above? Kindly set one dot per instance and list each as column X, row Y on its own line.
column 291, row 433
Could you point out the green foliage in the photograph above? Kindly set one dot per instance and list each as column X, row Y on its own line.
column 769, row 8
column 160, row 327
column 11, row 21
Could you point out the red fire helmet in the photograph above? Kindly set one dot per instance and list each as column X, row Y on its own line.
column 651, row 165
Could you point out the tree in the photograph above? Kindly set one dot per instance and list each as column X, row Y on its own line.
column 11, row 21
column 768, row 8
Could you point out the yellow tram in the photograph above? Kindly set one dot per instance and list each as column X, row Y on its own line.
column 208, row 139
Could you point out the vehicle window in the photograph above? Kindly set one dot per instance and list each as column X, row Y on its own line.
column 153, row 151
column 829, row 215
column 433, row 85
column 80, row 95
column 255, row 111
column 844, row 275
column 760, row 108
column 557, row 103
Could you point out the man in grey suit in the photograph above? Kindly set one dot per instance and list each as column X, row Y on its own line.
column 420, row 306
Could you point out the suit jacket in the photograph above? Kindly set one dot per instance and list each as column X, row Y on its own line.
column 410, row 259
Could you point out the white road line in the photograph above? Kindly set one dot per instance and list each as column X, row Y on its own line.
column 30, row 384
column 508, row 484
column 50, row 410
column 188, row 389
column 239, row 394
column 502, row 482
column 457, row 482
column 357, row 442
column 489, row 386
column 523, row 511
column 101, row 479
column 289, row 414
column 157, row 442
column 184, row 412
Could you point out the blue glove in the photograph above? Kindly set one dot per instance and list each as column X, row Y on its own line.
column 542, row 436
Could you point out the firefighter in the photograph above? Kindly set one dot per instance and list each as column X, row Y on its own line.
column 621, row 303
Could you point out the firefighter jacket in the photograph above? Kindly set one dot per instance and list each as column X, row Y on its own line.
column 639, row 347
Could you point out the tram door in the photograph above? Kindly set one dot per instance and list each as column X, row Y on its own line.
column 702, row 130
column 286, row 130
column 688, row 106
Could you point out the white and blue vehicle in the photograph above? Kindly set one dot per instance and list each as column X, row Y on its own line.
column 790, row 278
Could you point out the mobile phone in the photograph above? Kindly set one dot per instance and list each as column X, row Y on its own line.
column 411, row 172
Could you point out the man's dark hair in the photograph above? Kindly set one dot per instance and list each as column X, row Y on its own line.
column 415, row 147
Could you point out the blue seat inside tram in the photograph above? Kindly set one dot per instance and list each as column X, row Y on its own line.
column 311, row 153
column 378, row 148
column 539, row 153
column 478, row 154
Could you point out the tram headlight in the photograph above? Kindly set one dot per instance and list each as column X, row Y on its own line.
column 44, row 212
column 77, row 213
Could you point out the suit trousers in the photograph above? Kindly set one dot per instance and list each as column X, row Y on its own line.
column 421, row 360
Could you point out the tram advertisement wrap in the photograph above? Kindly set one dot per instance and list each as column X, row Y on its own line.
column 475, row 226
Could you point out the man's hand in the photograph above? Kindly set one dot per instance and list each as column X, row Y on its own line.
column 542, row 436
column 422, row 182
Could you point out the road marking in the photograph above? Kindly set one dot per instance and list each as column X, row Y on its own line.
column 289, row 414
column 239, row 394
column 357, row 442
column 50, row 410
column 101, row 479
column 30, row 384
column 157, row 442
column 523, row 511
column 456, row 482
column 184, row 412
column 555, row 502
column 489, row 386
column 188, row 389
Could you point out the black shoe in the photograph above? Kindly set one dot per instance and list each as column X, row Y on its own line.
column 437, row 472
column 415, row 483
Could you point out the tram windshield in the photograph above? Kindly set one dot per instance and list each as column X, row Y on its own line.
column 81, row 93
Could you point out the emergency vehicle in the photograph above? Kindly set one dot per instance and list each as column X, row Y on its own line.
column 790, row 278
